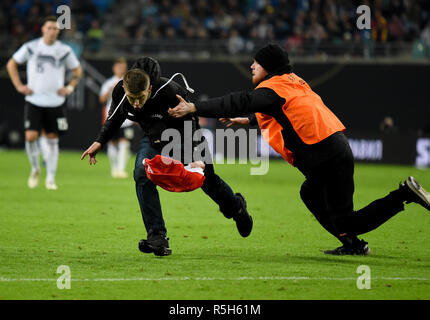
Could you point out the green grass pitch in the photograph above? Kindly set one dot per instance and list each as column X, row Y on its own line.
column 92, row 224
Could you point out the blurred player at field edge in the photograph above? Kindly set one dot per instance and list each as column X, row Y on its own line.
column 118, row 148
column 45, row 94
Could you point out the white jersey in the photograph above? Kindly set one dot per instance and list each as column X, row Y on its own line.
column 46, row 70
column 109, row 84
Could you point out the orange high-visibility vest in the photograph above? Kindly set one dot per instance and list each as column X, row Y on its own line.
column 307, row 113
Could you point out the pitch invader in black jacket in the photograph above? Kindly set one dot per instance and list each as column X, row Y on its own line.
column 144, row 96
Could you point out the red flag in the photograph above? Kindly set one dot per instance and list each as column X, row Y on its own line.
column 171, row 175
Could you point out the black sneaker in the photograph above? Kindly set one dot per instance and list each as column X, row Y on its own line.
column 416, row 193
column 242, row 218
column 157, row 244
column 362, row 249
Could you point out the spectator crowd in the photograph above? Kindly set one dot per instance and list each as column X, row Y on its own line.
column 298, row 25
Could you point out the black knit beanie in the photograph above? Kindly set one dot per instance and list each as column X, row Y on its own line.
column 272, row 57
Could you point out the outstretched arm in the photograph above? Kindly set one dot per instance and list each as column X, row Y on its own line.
column 231, row 105
column 91, row 152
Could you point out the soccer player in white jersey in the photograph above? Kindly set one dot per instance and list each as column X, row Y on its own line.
column 45, row 93
column 118, row 148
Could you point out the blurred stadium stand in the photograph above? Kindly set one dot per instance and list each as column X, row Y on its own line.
column 307, row 28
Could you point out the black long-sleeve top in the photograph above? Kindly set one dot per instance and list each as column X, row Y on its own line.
column 240, row 104
column 153, row 117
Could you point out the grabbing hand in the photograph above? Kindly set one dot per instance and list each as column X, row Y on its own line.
column 182, row 109
column 91, row 152
column 231, row 121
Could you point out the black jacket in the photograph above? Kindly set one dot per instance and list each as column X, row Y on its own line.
column 153, row 117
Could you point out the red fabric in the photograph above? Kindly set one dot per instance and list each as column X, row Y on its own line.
column 171, row 175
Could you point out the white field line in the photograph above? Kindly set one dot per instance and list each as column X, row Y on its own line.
column 212, row 279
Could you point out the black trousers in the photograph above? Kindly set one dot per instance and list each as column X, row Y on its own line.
column 328, row 194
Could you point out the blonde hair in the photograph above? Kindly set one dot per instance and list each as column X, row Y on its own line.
column 136, row 80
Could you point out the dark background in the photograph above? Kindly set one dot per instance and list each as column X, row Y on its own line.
column 360, row 94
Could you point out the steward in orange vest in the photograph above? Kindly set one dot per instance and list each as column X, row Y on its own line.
column 307, row 121
column 294, row 120
column 299, row 126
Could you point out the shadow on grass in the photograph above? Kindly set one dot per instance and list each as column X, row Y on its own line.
column 291, row 259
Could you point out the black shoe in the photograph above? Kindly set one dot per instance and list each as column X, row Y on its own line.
column 157, row 244
column 361, row 249
column 242, row 218
column 416, row 193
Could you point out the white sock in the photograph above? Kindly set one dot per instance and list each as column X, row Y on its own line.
column 112, row 152
column 50, row 150
column 33, row 152
column 123, row 154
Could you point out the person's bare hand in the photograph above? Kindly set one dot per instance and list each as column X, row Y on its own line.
column 182, row 109
column 64, row 92
column 24, row 89
column 91, row 152
column 198, row 164
column 231, row 121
